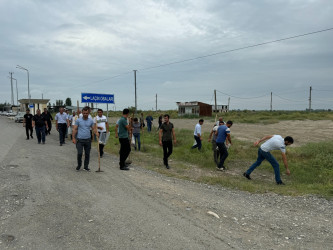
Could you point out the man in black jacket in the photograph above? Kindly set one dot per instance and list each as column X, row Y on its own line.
column 39, row 123
column 27, row 123
column 48, row 118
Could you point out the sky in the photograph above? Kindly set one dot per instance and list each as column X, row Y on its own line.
column 81, row 46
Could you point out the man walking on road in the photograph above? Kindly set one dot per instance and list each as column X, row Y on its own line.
column 40, row 124
column 197, row 135
column 61, row 125
column 223, row 138
column 102, row 128
column 166, row 134
column 123, row 132
column 48, row 118
column 82, row 129
column 275, row 142
column 27, row 123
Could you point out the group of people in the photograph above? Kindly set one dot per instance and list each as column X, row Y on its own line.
column 83, row 127
column 41, row 122
column 221, row 141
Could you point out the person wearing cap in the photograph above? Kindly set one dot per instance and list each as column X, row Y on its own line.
column 27, row 123
column 61, row 125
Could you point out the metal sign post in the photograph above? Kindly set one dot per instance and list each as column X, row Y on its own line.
column 98, row 98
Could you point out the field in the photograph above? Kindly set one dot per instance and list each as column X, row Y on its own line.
column 310, row 157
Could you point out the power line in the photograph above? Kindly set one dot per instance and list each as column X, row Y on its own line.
column 232, row 50
column 242, row 97
column 322, row 90
column 219, row 53
column 290, row 100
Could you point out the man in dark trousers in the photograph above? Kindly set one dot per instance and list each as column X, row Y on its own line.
column 149, row 120
column 166, row 134
column 27, row 123
column 61, row 125
column 123, row 132
column 40, row 124
column 83, row 139
column 48, row 118
column 223, row 138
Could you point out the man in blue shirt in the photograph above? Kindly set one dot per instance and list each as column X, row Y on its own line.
column 223, row 138
column 83, row 139
column 149, row 120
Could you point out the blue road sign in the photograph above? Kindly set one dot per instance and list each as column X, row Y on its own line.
column 31, row 105
column 97, row 98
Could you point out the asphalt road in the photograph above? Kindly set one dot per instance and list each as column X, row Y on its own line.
column 46, row 204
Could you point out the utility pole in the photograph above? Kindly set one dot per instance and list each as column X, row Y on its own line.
column 156, row 102
column 228, row 104
column 11, row 85
column 310, row 99
column 16, row 92
column 215, row 100
column 271, row 101
column 135, row 91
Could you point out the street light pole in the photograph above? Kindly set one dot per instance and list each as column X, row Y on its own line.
column 20, row 67
column 135, row 91
column 16, row 92
column 11, row 87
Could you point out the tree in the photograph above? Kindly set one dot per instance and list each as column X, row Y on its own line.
column 68, row 101
column 59, row 103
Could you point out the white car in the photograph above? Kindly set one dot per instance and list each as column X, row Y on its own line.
column 19, row 117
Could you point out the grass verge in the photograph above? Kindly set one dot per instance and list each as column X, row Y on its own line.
column 311, row 165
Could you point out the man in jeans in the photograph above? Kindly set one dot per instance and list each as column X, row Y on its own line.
column 275, row 142
column 223, row 138
column 166, row 134
column 83, row 139
column 39, row 122
column 123, row 131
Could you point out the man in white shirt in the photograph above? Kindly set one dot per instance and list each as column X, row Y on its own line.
column 275, row 142
column 197, row 135
column 102, row 127
column 61, row 125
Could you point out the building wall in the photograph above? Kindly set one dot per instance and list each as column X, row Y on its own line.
column 205, row 109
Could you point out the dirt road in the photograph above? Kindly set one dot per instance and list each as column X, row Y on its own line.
column 46, row 204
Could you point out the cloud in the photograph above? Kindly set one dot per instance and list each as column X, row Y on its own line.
column 76, row 46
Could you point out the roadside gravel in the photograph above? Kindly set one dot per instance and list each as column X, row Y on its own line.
column 46, row 204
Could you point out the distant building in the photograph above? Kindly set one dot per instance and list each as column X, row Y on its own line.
column 220, row 108
column 36, row 103
column 194, row 108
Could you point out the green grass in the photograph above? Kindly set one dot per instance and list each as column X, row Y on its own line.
column 311, row 165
